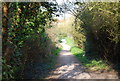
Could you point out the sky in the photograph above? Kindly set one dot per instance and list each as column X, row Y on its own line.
column 65, row 15
column 61, row 1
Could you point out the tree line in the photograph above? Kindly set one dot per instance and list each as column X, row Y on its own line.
column 24, row 34
column 97, row 29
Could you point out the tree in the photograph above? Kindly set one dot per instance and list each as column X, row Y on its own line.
column 24, row 32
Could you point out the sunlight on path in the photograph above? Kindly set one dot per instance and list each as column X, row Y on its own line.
column 68, row 67
column 64, row 45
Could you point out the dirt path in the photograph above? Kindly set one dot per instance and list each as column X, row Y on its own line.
column 68, row 67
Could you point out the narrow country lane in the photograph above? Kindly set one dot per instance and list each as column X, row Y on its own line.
column 68, row 67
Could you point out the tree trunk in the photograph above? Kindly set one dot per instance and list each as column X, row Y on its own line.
column 5, row 51
column 5, row 26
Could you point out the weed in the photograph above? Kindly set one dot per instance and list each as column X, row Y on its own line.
column 91, row 64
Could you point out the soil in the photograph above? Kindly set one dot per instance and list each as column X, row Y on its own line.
column 68, row 67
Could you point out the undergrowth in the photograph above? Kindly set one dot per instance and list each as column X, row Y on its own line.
column 91, row 64
column 70, row 41
column 50, row 63
column 43, row 68
column 56, row 51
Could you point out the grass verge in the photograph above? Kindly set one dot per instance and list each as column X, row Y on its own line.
column 51, row 60
column 70, row 41
column 56, row 51
column 49, row 65
column 91, row 64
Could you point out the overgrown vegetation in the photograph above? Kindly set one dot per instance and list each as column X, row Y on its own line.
column 29, row 35
column 56, row 51
column 90, row 64
column 100, row 24
column 70, row 41
column 24, row 35
column 96, row 29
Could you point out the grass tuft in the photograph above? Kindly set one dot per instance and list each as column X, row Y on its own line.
column 91, row 64
column 70, row 41
column 56, row 51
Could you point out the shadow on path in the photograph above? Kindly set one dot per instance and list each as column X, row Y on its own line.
column 68, row 67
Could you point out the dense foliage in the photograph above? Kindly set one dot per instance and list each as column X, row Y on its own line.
column 100, row 23
column 28, row 35
column 24, row 36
